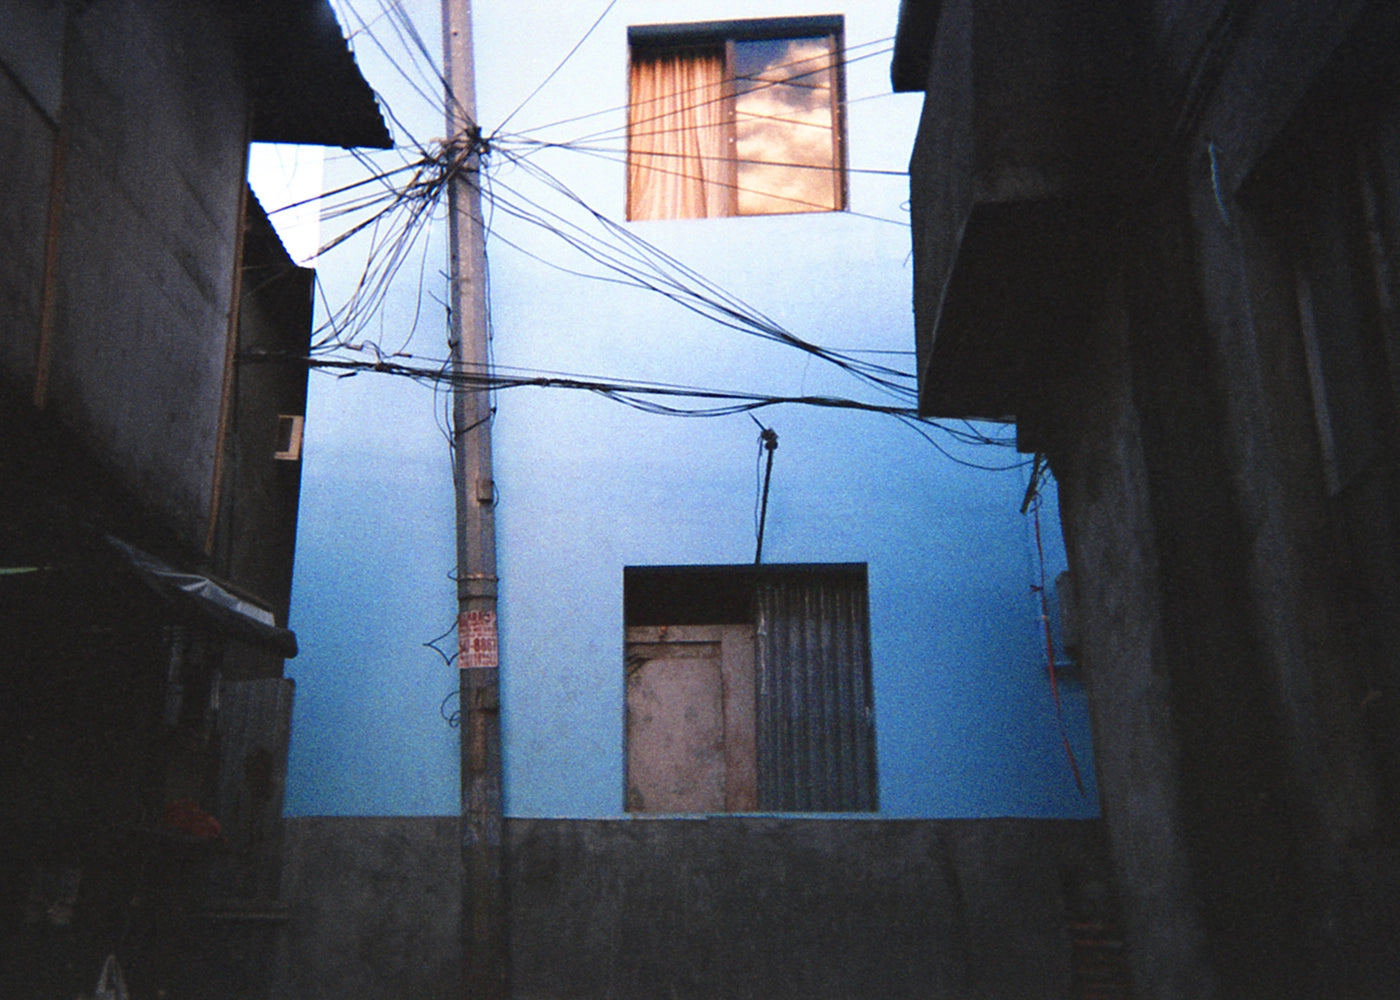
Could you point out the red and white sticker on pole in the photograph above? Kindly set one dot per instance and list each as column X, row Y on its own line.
column 476, row 640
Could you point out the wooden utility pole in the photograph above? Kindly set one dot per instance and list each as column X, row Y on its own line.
column 483, row 885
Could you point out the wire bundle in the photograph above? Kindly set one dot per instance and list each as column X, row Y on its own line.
column 395, row 206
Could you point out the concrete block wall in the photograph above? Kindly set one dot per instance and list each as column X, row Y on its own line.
column 374, row 909
column 155, row 114
column 31, row 57
column 125, row 131
column 733, row 907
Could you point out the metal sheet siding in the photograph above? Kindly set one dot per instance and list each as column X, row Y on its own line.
column 816, row 734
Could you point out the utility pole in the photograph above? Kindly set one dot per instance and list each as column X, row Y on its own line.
column 483, row 878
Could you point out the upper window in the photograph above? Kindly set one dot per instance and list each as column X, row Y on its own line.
column 735, row 118
column 749, row 688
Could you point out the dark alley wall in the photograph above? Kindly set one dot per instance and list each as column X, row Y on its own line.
column 140, row 160
column 1211, row 374
column 728, row 907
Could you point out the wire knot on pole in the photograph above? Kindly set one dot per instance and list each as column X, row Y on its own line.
column 458, row 152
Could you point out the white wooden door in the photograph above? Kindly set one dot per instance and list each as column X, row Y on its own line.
column 690, row 719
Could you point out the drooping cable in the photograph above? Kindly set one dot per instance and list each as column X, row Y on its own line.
column 554, row 72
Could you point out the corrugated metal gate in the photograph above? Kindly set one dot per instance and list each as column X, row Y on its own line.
column 816, row 720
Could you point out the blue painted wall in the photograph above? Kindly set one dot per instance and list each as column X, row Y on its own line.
column 965, row 721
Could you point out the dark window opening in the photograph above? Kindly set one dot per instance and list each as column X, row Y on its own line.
column 749, row 688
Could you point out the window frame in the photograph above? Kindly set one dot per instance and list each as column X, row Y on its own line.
column 723, row 35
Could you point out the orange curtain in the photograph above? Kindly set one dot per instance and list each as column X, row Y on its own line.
column 679, row 163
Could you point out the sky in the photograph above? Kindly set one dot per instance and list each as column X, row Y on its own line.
column 288, row 182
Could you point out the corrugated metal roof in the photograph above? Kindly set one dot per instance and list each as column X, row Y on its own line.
column 306, row 85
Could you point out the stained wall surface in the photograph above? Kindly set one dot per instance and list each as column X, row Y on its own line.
column 736, row 906
column 136, row 228
column 1216, row 425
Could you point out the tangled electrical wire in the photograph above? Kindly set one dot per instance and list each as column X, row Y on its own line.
column 388, row 215
column 393, row 209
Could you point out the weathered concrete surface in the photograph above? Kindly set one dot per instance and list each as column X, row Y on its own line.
column 124, row 127
column 1113, row 555
column 154, row 118
column 728, row 907
column 26, row 137
column 375, row 908
column 1226, row 331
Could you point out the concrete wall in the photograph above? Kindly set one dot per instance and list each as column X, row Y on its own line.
column 156, row 137
column 374, row 909
column 729, row 907
column 1236, row 605
column 133, row 115
column 985, row 143
column 258, row 515
column 1113, row 558
column 941, row 169
column 33, row 56
column 1270, row 766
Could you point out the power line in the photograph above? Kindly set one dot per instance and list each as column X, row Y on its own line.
column 562, row 63
column 631, row 259
column 619, row 157
column 649, row 267
column 399, row 214
column 634, row 261
column 727, row 316
column 722, row 402
column 658, row 398
column 844, row 60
